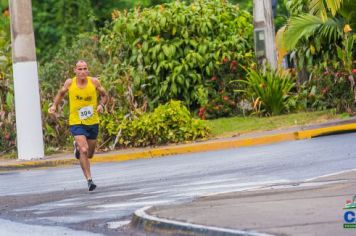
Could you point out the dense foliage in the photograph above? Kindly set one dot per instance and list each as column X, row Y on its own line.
column 183, row 48
column 7, row 109
column 57, row 24
column 321, row 36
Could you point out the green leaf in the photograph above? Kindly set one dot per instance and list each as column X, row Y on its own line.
column 162, row 22
column 340, row 54
column 174, row 30
column 166, row 51
column 9, row 100
column 174, row 89
column 145, row 47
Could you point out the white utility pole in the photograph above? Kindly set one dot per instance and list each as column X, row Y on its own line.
column 264, row 34
column 26, row 87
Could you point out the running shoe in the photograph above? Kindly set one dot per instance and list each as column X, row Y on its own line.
column 91, row 185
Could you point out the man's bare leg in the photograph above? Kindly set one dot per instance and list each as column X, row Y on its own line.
column 82, row 145
column 91, row 149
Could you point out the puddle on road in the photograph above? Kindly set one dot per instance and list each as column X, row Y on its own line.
column 117, row 224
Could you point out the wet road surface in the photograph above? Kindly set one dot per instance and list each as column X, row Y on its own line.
column 56, row 201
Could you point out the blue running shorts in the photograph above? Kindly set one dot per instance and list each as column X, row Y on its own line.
column 89, row 131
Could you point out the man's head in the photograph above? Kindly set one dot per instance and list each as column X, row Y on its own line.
column 81, row 69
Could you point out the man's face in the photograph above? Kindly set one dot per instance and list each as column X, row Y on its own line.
column 81, row 70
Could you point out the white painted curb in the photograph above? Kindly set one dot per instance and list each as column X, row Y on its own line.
column 210, row 230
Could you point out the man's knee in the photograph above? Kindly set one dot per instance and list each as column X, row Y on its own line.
column 83, row 151
column 90, row 154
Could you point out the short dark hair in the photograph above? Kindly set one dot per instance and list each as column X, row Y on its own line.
column 80, row 61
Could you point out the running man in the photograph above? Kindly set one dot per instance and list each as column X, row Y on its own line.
column 83, row 117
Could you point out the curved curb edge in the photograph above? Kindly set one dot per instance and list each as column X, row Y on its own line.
column 152, row 224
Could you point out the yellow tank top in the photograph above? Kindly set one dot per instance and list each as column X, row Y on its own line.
column 82, row 104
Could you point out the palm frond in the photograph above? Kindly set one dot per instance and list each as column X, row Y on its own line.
column 331, row 29
column 317, row 8
column 299, row 27
column 306, row 25
column 322, row 7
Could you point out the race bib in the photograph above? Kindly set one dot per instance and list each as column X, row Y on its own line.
column 86, row 112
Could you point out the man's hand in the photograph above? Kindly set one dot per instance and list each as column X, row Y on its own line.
column 100, row 108
column 52, row 110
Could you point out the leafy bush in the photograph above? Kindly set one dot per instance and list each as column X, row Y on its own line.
column 332, row 83
column 330, row 89
column 221, row 101
column 269, row 91
column 181, row 47
column 169, row 123
column 7, row 108
column 220, row 105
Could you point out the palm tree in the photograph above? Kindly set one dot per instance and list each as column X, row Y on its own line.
column 325, row 20
column 322, row 7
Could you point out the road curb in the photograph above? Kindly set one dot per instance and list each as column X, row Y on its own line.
column 312, row 133
column 37, row 164
column 153, row 224
column 187, row 148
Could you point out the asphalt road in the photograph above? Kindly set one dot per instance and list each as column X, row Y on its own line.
column 55, row 201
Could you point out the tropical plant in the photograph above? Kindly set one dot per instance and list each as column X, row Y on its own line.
column 323, row 7
column 345, row 50
column 305, row 25
column 324, row 21
column 315, row 31
column 269, row 91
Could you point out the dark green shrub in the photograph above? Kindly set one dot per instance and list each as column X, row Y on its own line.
column 181, row 47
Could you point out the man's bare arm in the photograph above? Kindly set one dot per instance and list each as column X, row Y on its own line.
column 102, row 92
column 60, row 95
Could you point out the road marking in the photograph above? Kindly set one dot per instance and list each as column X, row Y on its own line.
column 332, row 174
column 130, row 204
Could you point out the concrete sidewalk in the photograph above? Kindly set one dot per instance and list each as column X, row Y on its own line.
column 313, row 207
column 249, row 139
